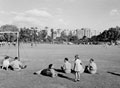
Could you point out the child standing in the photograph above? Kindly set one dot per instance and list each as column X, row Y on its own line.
column 78, row 68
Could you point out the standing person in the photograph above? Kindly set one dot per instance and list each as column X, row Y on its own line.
column 92, row 67
column 17, row 65
column 31, row 44
column 5, row 63
column 67, row 66
column 78, row 68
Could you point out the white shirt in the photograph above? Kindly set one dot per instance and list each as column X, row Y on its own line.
column 6, row 63
column 16, row 64
column 94, row 67
column 67, row 67
column 78, row 66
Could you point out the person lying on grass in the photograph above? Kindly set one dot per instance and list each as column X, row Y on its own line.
column 78, row 68
column 67, row 66
column 17, row 65
column 91, row 67
column 48, row 72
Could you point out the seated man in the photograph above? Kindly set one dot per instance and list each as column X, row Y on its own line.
column 67, row 66
column 48, row 72
column 5, row 63
column 17, row 65
column 92, row 67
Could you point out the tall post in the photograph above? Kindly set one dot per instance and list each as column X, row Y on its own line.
column 18, row 48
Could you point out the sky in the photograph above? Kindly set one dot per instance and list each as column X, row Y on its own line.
column 68, row 14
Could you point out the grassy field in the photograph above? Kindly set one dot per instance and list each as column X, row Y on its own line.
column 40, row 56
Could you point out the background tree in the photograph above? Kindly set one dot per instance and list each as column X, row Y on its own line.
column 9, row 37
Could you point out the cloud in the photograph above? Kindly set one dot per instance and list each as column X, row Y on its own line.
column 70, row 0
column 24, row 18
column 17, row 13
column 36, row 12
column 59, row 10
column 2, row 12
column 114, row 12
column 33, row 17
column 2, row 23
column 61, row 0
column 62, row 21
column 32, row 12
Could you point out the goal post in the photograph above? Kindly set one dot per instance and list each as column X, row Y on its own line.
column 18, row 49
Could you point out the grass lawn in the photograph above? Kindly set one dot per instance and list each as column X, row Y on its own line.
column 40, row 56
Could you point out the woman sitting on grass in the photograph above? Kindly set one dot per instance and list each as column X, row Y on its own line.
column 48, row 72
column 5, row 63
column 91, row 67
column 67, row 66
column 17, row 65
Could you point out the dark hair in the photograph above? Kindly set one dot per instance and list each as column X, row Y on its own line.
column 6, row 57
column 50, row 66
column 16, row 58
column 66, row 59
column 76, row 56
column 91, row 59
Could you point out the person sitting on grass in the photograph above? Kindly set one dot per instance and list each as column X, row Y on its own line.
column 47, row 72
column 67, row 66
column 92, row 67
column 78, row 68
column 5, row 63
column 17, row 65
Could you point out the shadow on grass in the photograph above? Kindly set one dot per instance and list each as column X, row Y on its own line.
column 113, row 73
column 59, row 70
column 10, row 68
column 63, row 76
column 45, row 72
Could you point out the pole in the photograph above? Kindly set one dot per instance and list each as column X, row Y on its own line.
column 18, row 50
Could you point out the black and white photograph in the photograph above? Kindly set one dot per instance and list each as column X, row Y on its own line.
column 59, row 43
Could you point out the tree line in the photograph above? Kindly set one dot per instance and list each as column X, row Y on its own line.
column 32, row 34
column 110, row 35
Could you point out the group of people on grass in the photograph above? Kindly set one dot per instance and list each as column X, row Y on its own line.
column 67, row 68
column 15, row 64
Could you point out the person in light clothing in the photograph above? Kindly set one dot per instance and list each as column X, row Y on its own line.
column 67, row 66
column 17, row 65
column 78, row 68
column 6, row 63
column 92, row 67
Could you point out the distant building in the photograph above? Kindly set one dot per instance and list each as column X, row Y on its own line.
column 58, row 32
column 74, row 32
column 54, row 35
column 48, row 32
column 87, row 32
column 79, row 33
column 95, row 32
column 83, row 32
column 66, row 32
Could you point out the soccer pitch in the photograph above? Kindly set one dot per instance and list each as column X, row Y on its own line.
column 40, row 56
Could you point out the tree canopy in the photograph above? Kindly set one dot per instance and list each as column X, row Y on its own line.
column 12, row 28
